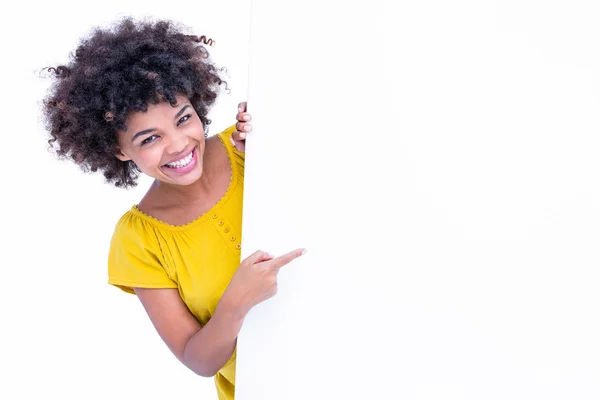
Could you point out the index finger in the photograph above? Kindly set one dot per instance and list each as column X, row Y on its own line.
column 286, row 258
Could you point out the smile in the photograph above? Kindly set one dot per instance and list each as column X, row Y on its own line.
column 182, row 162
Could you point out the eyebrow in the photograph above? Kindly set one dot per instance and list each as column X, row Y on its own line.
column 146, row 131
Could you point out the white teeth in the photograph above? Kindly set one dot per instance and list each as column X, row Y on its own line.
column 181, row 163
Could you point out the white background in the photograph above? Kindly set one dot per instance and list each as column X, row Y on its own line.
column 444, row 177
column 65, row 332
column 440, row 166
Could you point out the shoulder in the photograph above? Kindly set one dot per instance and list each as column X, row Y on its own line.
column 133, row 229
column 235, row 158
column 225, row 137
column 135, row 258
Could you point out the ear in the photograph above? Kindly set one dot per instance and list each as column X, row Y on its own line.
column 122, row 156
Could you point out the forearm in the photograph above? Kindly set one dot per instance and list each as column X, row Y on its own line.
column 209, row 349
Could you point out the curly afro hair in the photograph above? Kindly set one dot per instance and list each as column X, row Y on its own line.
column 120, row 70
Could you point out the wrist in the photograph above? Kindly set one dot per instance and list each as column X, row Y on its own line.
column 230, row 310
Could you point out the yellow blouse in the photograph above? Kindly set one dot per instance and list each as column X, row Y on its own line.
column 199, row 258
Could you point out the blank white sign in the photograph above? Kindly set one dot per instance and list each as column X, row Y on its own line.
column 440, row 163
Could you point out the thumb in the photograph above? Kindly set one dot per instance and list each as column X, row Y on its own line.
column 258, row 256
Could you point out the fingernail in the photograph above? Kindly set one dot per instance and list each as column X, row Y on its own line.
column 304, row 251
column 242, row 135
column 247, row 128
column 246, row 118
column 232, row 141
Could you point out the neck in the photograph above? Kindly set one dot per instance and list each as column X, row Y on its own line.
column 184, row 194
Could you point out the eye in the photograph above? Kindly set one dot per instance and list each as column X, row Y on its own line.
column 183, row 119
column 149, row 139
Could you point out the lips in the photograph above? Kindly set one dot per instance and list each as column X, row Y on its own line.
column 181, row 162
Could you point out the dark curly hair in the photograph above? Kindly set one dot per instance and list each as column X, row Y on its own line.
column 114, row 72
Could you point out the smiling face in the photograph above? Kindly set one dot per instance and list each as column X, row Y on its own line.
column 165, row 142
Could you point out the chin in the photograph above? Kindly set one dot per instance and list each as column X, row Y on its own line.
column 187, row 179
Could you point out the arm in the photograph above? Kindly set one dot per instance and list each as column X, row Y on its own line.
column 204, row 350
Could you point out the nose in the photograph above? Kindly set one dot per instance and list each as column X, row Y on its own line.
column 176, row 143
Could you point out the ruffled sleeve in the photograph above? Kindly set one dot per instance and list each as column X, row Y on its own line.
column 135, row 258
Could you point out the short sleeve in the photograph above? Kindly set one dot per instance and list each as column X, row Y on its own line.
column 135, row 258
column 236, row 156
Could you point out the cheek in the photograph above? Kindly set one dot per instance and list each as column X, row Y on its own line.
column 196, row 127
column 148, row 158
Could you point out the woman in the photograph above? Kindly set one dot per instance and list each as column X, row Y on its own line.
column 134, row 99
